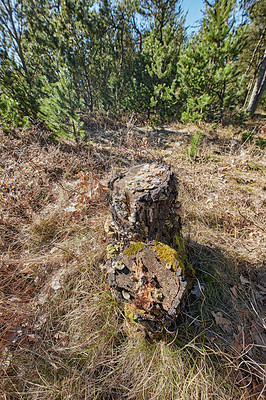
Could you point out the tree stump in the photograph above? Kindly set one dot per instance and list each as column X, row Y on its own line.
column 151, row 274
column 144, row 205
column 151, row 281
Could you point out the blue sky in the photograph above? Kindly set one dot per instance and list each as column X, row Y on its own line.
column 193, row 7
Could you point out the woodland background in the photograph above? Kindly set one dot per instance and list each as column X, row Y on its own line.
column 60, row 60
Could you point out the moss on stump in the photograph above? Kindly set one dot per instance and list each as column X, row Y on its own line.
column 149, row 275
column 150, row 280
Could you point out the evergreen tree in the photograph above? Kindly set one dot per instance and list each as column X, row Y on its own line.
column 123, row 55
column 161, row 13
column 161, row 49
column 207, row 68
column 118, row 54
column 161, row 67
column 12, row 26
column 16, row 97
column 78, row 29
column 140, row 86
column 42, row 37
column 60, row 107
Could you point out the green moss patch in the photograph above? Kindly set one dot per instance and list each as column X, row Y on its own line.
column 169, row 255
column 135, row 248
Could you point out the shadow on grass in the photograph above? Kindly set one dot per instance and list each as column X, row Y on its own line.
column 219, row 314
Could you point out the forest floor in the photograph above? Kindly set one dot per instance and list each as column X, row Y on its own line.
column 62, row 334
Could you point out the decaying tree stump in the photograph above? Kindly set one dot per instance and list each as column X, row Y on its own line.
column 151, row 274
column 144, row 204
column 151, row 280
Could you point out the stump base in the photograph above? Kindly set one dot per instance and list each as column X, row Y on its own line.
column 150, row 280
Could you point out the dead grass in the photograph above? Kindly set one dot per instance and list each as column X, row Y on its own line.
column 62, row 334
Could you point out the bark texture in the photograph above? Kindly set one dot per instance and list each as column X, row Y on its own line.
column 144, row 204
column 258, row 88
column 151, row 280
column 148, row 272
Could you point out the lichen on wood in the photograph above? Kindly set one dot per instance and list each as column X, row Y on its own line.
column 150, row 275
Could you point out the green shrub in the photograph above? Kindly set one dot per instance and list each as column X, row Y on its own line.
column 60, row 108
column 11, row 115
column 195, row 142
column 197, row 109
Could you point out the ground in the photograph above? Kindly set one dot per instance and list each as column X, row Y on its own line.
column 62, row 334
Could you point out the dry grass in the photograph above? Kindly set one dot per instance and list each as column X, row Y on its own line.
column 62, row 334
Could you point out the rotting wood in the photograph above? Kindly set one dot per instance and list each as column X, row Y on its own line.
column 144, row 205
column 151, row 281
column 148, row 270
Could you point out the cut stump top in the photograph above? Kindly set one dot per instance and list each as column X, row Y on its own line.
column 144, row 204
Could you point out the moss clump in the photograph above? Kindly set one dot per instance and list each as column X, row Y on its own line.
column 130, row 313
column 179, row 244
column 169, row 255
column 135, row 248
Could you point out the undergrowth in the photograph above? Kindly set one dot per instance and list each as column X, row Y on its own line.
column 63, row 336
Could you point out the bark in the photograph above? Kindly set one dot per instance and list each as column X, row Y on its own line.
column 258, row 88
column 255, row 51
column 150, row 275
column 150, row 281
column 144, row 204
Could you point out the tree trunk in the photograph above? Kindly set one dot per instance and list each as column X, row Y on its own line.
column 258, row 88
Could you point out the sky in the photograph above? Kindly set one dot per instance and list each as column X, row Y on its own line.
column 193, row 7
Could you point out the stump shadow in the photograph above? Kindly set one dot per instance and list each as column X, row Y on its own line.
column 218, row 315
column 215, row 276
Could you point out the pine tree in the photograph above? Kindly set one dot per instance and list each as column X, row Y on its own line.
column 161, row 67
column 161, row 49
column 76, row 27
column 16, row 97
column 59, row 108
column 118, row 53
column 160, row 14
column 207, row 68
column 141, row 86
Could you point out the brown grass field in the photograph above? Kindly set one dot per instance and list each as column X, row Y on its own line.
column 62, row 336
